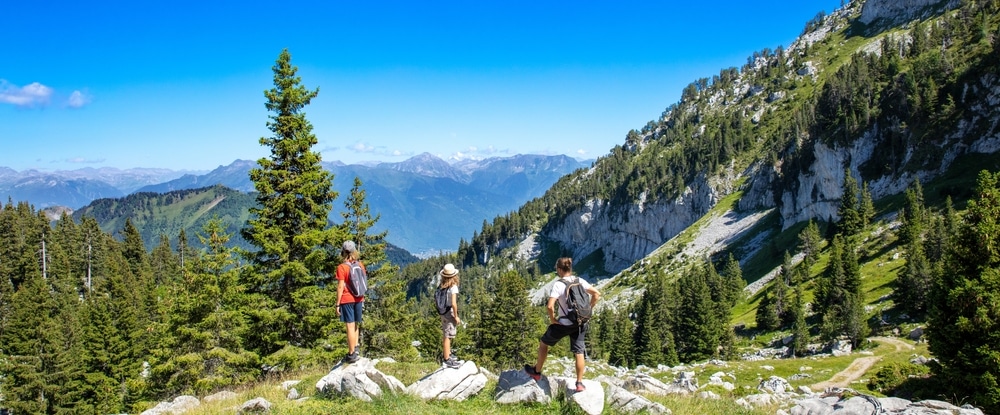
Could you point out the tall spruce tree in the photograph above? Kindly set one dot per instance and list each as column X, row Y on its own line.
column 850, row 218
column 508, row 329
column 964, row 330
column 698, row 323
column 290, row 228
column 653, row 337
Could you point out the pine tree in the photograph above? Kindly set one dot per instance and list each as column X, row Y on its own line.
column 850, row 219
column 653, row 337
column 205, row 348
column 963, row 332
column 866, row 207
column 698, row 325
column 290, row 228
column 799, row 328
column 912, row 215
column 508, row 331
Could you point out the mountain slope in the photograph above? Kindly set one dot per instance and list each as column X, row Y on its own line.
column 887, row 102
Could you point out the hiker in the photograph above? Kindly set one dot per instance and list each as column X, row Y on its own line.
column 448, row 292
column 349, row 307
column 563, row 326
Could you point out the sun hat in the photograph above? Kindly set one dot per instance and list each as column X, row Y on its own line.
column 349, row 246
column 449, row 271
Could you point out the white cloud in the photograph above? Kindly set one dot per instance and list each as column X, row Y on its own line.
column 581, row 152
column 78, row 99
column 362, row 148
column 27, row 96
column 83, row 160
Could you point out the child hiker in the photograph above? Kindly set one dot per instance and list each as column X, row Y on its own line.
column 447, row 303
column 349, row 306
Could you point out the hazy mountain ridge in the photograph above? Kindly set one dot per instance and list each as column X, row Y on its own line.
column 426, row 204
column 75, row 188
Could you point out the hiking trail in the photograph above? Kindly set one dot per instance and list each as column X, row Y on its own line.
column 859, row 366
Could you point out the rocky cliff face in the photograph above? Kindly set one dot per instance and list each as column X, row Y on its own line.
column 891, row 11
column 816, row 193
column 626, row 234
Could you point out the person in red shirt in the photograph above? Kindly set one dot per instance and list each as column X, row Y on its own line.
column 349, row 307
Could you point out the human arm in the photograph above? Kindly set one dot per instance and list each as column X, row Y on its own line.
column 594, row 296
column 454, row 308
column 340, row 292
column 551, row 309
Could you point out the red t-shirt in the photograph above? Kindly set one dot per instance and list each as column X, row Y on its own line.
column 344, row 274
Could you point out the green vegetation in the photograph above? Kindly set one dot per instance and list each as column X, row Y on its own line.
column 83, row 307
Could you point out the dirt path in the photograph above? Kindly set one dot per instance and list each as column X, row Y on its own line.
column 859, row 366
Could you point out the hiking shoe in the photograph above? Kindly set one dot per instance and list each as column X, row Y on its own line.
column 352, row 357
column 580, row 387
column 530, row 370
column 453, row 363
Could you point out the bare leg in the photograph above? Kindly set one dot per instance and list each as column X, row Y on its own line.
column 447, row 348
column 580, row 367
column 352, row 337
column 543, row 353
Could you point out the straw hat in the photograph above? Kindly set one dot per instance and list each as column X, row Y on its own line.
column 449, row 271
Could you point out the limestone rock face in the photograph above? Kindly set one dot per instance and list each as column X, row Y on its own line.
column 626, row 234
column 899, row 10
column 515, row 386
column 255, row 406
column 624, row 401
column 360, row 380
column 452, row 384
column 179, row 405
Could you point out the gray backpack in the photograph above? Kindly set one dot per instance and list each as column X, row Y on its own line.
column 357, row 283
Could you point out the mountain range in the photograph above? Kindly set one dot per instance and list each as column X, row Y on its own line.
column 426, row 204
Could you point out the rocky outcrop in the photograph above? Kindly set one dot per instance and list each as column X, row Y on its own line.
column 848, row 404
column 451, row 384
column 622, row 400
column 179, row 405
column 515, row 386
column 255, row 406
column 626, row 234
column 895, row 11
column 360, row 380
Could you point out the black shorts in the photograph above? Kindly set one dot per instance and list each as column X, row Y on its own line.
column 555, row 332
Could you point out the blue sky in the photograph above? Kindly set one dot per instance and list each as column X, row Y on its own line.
column 180, row 84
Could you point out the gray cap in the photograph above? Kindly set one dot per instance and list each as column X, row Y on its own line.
column 349, row 246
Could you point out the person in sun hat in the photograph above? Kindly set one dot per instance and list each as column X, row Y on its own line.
column 349, row 307
column 448, row 288
column 562, row 326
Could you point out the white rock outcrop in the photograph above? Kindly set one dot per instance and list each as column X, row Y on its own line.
column 451, row 384
column 360, row 380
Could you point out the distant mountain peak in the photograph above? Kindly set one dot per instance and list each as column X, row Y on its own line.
column 427, row 164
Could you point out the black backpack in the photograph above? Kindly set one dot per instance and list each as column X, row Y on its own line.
column 578, row 302
column 358, row 282
column 442, row 299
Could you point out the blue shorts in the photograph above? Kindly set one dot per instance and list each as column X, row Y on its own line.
column 351, row 312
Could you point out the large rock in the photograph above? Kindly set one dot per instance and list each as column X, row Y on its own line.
column 220, row 396
column 590, row 401
column 255, row 406
column 515, row 386
column 451, row 384
column 643, row 383
column 774, row 384
column 360, row 380
column 179, row 405
column 870, row 405
column 622, row 400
